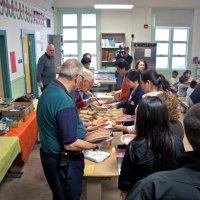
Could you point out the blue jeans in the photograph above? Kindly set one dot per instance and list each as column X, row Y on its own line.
column 66, row 181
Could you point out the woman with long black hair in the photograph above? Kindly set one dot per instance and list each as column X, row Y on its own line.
column 152, row 82
column 154, row 147
column 155, row 84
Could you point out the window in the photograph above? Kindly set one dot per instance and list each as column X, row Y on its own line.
column 172, row 47
column 80, row 35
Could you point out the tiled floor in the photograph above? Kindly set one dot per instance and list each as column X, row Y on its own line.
column 33, row 186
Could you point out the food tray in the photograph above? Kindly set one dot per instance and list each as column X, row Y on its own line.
column 97, row 135
column 124, row 118
column 103, row 96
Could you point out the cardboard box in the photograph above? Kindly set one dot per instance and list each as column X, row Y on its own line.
column 16, row 123
column 6, row 107
column 24, row 114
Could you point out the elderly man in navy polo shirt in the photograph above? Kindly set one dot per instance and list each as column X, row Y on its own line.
column 60, row 129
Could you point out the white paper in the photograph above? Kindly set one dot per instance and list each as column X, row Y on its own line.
column 96, row 156
column 147, row 53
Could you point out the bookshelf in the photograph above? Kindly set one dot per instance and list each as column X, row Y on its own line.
column 110, row 43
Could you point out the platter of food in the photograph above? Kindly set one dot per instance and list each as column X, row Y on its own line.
column 97, row 135
column 124, row 118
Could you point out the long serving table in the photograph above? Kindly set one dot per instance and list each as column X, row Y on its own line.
column 9, row 149
column 94, row 173
column 27, row 133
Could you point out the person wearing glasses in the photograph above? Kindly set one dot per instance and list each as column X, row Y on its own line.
column 86, row 84
column 46, row 71
column 60, row 128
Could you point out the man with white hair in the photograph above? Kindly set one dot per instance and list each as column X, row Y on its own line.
column 46, row 71
column 182, row 183
column 84, row 86
column 59, row 126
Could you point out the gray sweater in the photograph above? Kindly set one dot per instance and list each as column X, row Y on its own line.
column 46, row 71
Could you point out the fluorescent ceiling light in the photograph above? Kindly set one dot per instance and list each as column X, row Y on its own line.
column 113, row 6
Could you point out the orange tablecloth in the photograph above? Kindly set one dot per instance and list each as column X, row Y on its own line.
column 27, row 133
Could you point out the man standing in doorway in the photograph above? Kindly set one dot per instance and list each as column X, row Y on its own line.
column 60, row 128
column 46, row 71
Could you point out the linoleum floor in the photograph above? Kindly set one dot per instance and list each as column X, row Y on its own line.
column 33, row 186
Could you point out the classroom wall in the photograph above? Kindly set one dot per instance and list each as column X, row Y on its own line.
column 14, row 43
column 128, row 22
column 132, row 22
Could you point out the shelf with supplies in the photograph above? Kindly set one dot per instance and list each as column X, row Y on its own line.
column 110, row 43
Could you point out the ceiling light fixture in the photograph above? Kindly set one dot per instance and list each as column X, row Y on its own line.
column 113, row 6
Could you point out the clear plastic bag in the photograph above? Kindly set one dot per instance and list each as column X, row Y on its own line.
column 96, row 156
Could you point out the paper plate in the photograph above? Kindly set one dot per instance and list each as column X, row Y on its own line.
column 127, row 138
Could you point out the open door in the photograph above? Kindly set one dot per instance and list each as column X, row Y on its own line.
column 1, row 81
column 26, row 64
column 5, row 84
column 28, row 44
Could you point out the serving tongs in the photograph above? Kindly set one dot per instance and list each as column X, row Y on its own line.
column 98, row 101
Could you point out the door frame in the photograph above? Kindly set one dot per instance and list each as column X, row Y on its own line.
column 32, row 59
column 5, row 65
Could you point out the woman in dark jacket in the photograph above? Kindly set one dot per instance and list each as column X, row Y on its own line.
column 154, row 148
column 129, row 105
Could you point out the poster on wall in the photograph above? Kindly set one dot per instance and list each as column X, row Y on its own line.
column 13, row 62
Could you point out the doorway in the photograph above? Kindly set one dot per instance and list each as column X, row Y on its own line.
column 5, row 84
column 27, row 64
column 28, row 47
column 1, row 81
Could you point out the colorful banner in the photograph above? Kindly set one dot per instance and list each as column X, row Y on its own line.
column 20, row 11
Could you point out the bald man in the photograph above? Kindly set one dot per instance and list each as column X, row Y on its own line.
column 46, row 71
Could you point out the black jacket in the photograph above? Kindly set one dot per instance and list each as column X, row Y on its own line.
column 131, row 104
column 195, row 96
column 138, row 163
column 183, row 183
